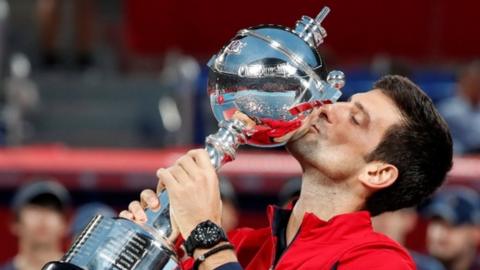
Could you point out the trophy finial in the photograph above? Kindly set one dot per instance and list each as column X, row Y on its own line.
column 311, row 30
column 322, row 15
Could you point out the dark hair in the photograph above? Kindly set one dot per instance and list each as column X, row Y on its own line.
column 44, row 200
column 420, row 147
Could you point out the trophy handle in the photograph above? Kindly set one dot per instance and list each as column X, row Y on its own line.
column 221, row 148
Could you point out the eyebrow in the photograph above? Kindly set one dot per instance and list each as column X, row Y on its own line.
column 361, row 108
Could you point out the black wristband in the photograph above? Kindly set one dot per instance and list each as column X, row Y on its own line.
column 209, row 253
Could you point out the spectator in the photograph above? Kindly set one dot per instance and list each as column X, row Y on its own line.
column 397, row 225
column 452, row 235
column 40, row 224
column 462, row 112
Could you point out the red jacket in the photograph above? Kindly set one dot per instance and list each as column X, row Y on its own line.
column 345, row 242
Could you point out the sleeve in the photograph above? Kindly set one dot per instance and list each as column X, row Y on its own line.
column 230, row 266
column 376, row 258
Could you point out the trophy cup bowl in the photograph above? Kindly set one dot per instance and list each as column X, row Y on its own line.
column 273, row 75
column 261, row 86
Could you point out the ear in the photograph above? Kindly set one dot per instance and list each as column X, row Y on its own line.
column 377, row 175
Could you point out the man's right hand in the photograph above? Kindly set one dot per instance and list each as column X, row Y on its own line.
column 136, row 209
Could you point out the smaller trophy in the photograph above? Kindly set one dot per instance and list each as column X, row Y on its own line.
column 261, row 85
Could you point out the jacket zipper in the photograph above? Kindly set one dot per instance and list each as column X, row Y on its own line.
column 286, row 249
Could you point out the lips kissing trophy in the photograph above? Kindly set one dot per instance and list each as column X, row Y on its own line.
column 261, row 85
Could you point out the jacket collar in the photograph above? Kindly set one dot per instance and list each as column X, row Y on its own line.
column 343, row 226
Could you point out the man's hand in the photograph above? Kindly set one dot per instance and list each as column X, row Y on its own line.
column 192, row 186
column 193, row 190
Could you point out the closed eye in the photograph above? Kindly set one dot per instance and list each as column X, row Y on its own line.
column 354, row 120
column 361, row 109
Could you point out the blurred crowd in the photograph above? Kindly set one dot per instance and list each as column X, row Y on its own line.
column 42, row 222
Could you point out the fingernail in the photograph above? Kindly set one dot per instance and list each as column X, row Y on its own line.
column 152, row 202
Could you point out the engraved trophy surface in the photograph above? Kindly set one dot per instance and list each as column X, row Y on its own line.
column 261, row 85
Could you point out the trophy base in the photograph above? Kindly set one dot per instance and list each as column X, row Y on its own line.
column 117, row 244
column 60, row 266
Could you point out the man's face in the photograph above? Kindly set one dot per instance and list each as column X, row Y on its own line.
column 340, row 135
column 39, row 225
column 447, row 242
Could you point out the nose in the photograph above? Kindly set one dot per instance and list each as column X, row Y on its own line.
column 336, row 112
column 327, row 112
column 436, row 231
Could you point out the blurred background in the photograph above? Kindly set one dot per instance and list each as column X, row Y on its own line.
column 98, row 94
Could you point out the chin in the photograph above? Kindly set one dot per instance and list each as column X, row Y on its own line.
column 303, row 148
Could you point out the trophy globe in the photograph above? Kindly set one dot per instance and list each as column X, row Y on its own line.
column 273, row 75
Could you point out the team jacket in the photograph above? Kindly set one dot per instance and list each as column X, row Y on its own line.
column 345, row 242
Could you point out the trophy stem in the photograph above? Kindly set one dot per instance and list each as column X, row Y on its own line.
column 222, row 146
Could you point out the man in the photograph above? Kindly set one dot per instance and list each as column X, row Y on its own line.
column 452, row 234
column 40, row 224
column 383, row 150
column 462, row 111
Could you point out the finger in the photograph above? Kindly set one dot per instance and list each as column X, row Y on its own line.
column 137, row 210
column 189, row 165
column 180, row 175
column 201, row 158
column 126, row 214
column 149, row 199
column 167, row 179
column 208, row 173
column 160, row 185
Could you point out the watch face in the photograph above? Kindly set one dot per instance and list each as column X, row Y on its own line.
column 208, row 234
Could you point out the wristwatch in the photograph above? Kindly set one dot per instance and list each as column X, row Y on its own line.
column 205, row 235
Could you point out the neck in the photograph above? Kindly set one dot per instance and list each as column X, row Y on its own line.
column 323, row 198
column 35, row 256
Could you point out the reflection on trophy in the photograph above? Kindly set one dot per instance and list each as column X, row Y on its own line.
column 262, row 86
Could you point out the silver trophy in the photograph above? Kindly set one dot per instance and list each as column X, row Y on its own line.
column 261, row 85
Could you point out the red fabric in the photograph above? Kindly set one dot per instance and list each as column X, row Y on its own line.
column 271, row 129
column 347, row 239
